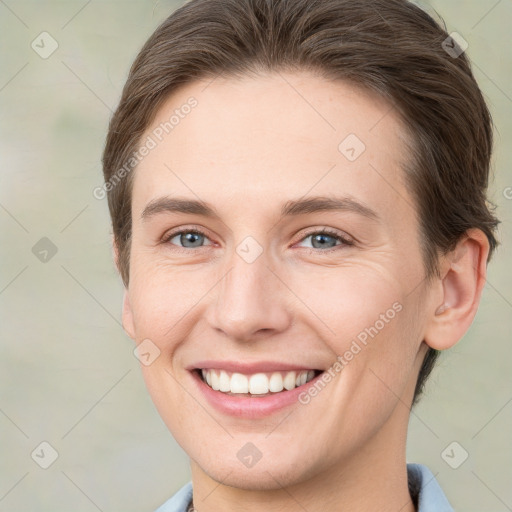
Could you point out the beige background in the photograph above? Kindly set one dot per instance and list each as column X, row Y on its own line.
column 67, row 371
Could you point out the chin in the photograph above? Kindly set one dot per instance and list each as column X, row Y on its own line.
column 253, row 481
column 263, row 476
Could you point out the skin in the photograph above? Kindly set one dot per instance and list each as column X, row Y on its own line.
column 250, row 145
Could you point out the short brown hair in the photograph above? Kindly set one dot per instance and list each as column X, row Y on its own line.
column 391, row 47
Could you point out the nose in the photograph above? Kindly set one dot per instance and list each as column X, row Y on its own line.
column 251, row 301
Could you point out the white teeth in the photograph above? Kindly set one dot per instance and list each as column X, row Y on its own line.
column 256, row 384
column 215, row 381
column 275, row 384
column 239, row 383
column 289, row 381
column 224, row 382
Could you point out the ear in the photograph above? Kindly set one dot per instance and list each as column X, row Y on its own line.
column 127, row 316
column 453, row 309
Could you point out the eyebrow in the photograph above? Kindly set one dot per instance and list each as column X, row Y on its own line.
column 290, row 208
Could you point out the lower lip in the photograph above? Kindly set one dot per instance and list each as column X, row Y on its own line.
column 251, row 407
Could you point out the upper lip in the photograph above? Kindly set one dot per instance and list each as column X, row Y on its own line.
column 249, row 368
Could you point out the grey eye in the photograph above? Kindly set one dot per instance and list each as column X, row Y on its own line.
column 188, row 239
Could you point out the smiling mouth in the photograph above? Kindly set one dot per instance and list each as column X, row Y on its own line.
column 257, row 384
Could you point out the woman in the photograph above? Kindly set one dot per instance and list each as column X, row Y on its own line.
column 297, row 192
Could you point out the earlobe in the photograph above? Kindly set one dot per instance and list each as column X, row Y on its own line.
column 464, row 274
column 127, row 316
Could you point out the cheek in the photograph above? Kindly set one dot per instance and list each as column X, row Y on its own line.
column 348, row 303
column 339, row 304
column 369, row 319
column 163, row 301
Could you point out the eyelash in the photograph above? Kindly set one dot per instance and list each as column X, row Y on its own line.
column 325, row 231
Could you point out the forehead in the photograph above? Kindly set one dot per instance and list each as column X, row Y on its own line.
column 256, row 142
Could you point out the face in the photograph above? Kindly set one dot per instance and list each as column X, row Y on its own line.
column 274, row 241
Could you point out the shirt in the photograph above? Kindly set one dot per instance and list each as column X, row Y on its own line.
column 423, row 487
